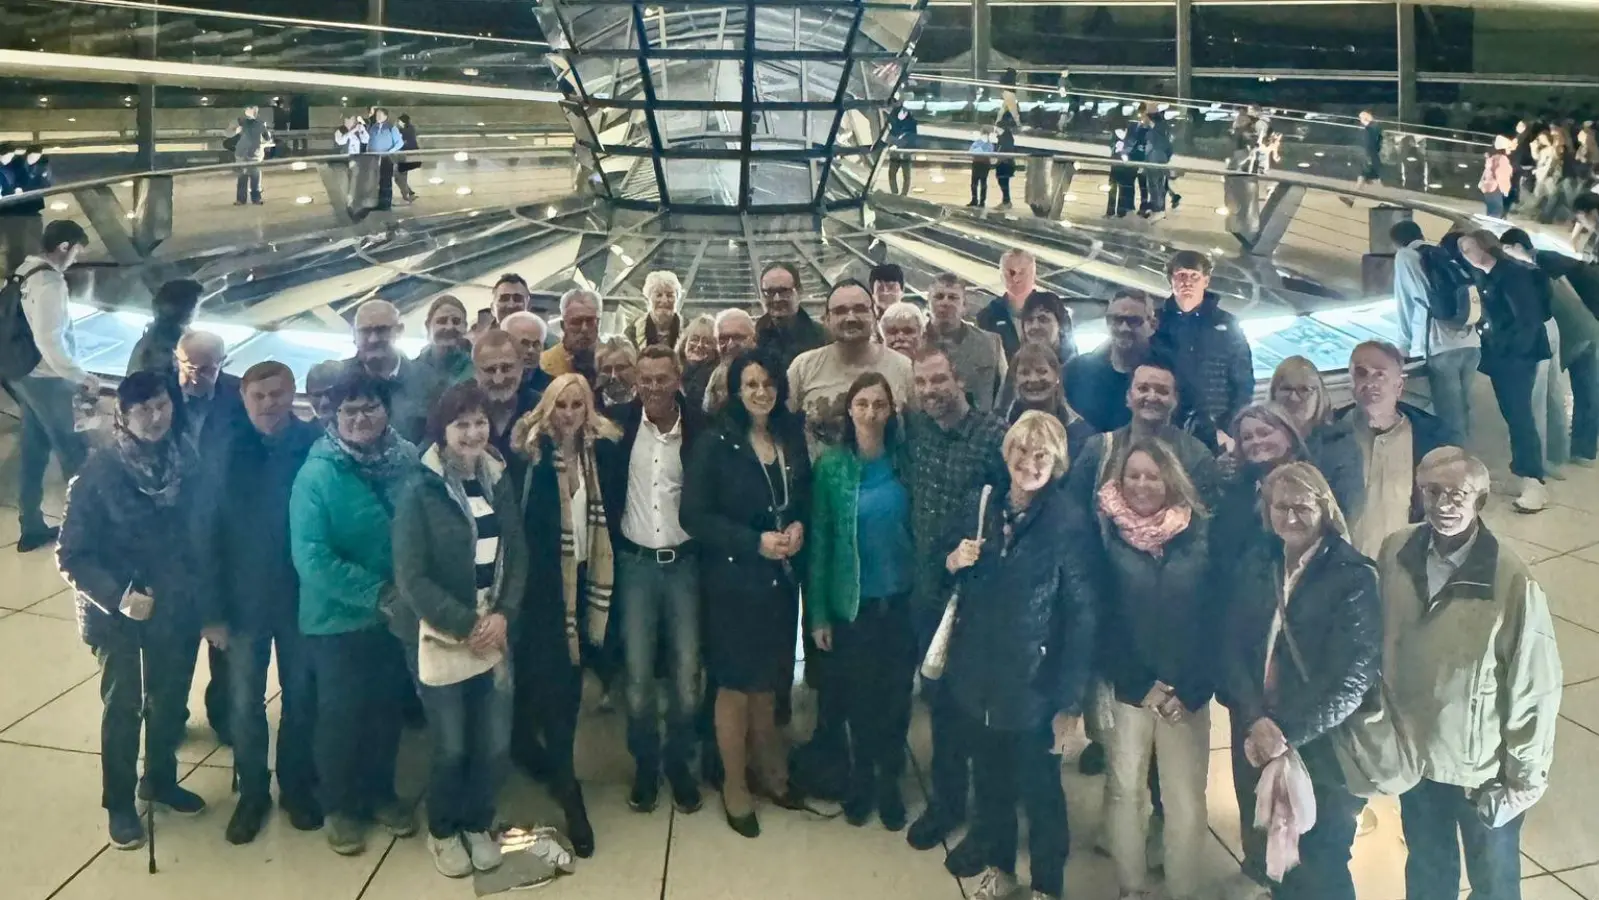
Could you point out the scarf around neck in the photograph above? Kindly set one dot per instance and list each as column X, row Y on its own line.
column 156, row 467
column 600, row 563
column 379, row 465
column 1147, row 533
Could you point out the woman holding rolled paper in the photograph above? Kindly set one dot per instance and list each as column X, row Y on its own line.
column 1018, row 660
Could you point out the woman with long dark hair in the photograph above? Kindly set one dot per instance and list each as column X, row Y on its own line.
column 746, row 500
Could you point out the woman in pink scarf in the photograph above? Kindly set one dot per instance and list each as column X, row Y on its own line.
column 1155, row 651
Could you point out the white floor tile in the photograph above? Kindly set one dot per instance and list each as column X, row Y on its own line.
column 61, row 606
column 39, row 659
column 1562, row 831
column 1580, row 704
column 1558, row 527
column 1569, row 581
column 1579, row 651
column 1528, row 551
column 1547, row 887
column 27, row 578
column 1584, row 881
column 51, row 822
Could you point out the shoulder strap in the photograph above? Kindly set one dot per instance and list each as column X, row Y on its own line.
column 20, row 276
column 1288, row 636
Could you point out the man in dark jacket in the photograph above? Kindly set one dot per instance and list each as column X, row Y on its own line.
column 785, row 331
column 497, row 364
column 657, row 578
column 412, row 386
column 251, row 595
column 1003, row 315
column 1214, row 364
column 1156, row 401
column 1097, row 382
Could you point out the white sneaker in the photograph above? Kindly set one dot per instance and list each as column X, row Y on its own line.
column 1366, row 822
column 484, row 850
column 1582, row 461
column 450, row 856
column 994, row 884
column 1534, row 496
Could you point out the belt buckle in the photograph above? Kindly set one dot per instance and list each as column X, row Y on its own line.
column 666, row 557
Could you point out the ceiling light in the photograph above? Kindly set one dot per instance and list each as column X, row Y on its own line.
column 1321, row 153
column 1222, row 210
column 131, row 215
column 480, row 125
column 1304, row 165
column 462, row 156
column 58, row 206
column 463, row 190
column 74, row 119
column 470, row 73
column 248, row 47
column 298, row 167
column 128, row 183
column 302, row 199
column 1104, row 188
column 1071, row 198
column 435, row 180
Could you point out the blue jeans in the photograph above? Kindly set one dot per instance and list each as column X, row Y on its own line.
column 1431, row 814
column 247, row 659
column 470, row 724
column 660, row 598
column 1449, row 375
column 46, row 428
column 1494, row 204
column 359, row 679
column 1514, row 383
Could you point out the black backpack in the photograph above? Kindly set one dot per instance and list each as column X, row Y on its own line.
column 1448, row 287
column 19, row 355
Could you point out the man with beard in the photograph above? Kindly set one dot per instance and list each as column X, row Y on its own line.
column 529, row 331
column 818, row 379
column 1097, row 382
column 978, row 355
column 1003, row 315
column 580, row 333
column 511, row 295
column 902, row 329
column 1153, row 397
column 251, row 598
column 1036, row 372
column 735, row 335
column 1205, row 343
column 413, row 386
column 497, row 367
column 657, row 579
column 448, row 355
column 785, row 331
column 617, row 384
column 951, row 450
column 887, row 282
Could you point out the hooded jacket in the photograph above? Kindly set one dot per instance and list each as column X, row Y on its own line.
column 44, row 304
column 1215, row 368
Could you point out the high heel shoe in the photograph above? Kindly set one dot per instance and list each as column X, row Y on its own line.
column 746, row 825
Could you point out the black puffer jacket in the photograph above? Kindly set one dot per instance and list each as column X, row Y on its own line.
column 1159, row 617
column 1023, row 641
column 1516, row 302
column 1215, row 371
column 1335, row 618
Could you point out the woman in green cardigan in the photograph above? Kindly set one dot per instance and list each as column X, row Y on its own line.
column 857, row 595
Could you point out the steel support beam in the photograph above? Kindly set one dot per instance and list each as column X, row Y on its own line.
column 982, row 39
column 1408, row 113
column 1276, row 214
column 110, row 223
column 1185, row 49
column 376, row 13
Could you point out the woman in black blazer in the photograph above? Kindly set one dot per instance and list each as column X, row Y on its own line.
column 746, row 498
column 1291, row 684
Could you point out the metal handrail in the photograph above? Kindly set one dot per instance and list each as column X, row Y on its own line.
column 1277, row 112
column 201, row 134
column 262, row 18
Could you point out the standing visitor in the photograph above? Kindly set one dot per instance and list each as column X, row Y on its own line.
column 978, row 355
column 1434, row 294
column 902, row 140
column 662, row 322
column 580, row 337
column 251, row 140
column 1097, row 382
column 1214, row 364
column 448, row 354
column 784, row 330
column 818, row 379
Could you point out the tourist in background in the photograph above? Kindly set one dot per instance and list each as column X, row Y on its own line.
column 1157, row 630
column 746, row 499
column 561, row 450
column 859, row 575
column 404, row 167
column 340, row 512
column 1497, row 174
column 251, row 140
column 1303, row 647
column 902, row 137
column 982, row 164
column 460, row 572
column 173, row 310
column 126, row 551
column 1433, row 291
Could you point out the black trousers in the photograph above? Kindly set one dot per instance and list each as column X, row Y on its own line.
column 899, row 175
column 219, row 693
column 385, row 183
column 1012, row 766
column 1119, row 202
column 358, row 686
column 548, row 694
column 1245, row 779
column 1584, row 371
column 151, row 691
column 822, row 765
column 1512, row 381
column 951, row 769
column 980, row 184
column 875, row 657
column 1324, row 851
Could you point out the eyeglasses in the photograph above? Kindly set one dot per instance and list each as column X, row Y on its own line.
column 1127, row 321
column 777, row 293
column 1435, row 493
column 1300, row 391
column 368, row 411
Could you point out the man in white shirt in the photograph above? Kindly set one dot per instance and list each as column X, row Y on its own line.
column 45, row 395
column 657, row 579
column 819, row 379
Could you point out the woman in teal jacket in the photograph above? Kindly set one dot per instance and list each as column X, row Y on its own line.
column 340, row 512
column 857, row 595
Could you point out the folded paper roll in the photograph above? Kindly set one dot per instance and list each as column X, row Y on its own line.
column 938, row 650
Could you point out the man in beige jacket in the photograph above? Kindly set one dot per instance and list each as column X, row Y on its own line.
column 1473, row 675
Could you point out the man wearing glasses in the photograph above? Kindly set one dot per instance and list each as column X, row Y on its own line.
column 413, row 386
column 1212, row 356
column 785, row 330
column 580, row 335
column 1097, row 382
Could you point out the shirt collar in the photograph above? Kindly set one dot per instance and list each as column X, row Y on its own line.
column 675, row 431
column 1458, row 557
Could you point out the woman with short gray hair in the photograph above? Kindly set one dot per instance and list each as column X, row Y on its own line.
column 660, row 323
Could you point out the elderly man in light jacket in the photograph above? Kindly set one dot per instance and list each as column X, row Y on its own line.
column 1474, row 678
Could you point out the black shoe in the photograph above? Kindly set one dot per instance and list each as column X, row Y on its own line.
column 126, row 828
column 174, row 799
column 1092, row 762
column 305, row 814
column 890, row 805
column 31, row 542
column 929, row 829
column 248, row 817
column 1176, row 201
column 966, row 860
column 578, row 829
column 858, row 808
column 685, row 792
column 646, row 789
column 746, row 825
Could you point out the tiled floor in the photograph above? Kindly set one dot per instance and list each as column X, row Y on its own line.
column 53, row 831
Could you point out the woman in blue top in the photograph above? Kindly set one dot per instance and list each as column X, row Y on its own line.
column 857, row 595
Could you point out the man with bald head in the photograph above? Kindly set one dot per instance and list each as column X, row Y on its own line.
column 414, row 387
column 735, row 334
column 497, row 364
column 530, row 332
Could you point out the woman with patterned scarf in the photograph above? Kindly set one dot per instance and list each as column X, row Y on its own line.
column 1155, row 648
column 570, row 516
column 340, row 513
column 125, row 550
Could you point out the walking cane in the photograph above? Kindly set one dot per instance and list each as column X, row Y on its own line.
column 144, row 708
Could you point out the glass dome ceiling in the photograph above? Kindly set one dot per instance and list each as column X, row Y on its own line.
column 730, row 107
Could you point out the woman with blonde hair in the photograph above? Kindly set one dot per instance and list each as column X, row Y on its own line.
column 1156, row 643
column 660, row 323
column 1302, row 647
column 1268, row 435
column 698, row 355
column 572, row 518
column 1019, row 659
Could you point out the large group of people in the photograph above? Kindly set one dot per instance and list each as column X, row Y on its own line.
column 1057, row 547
